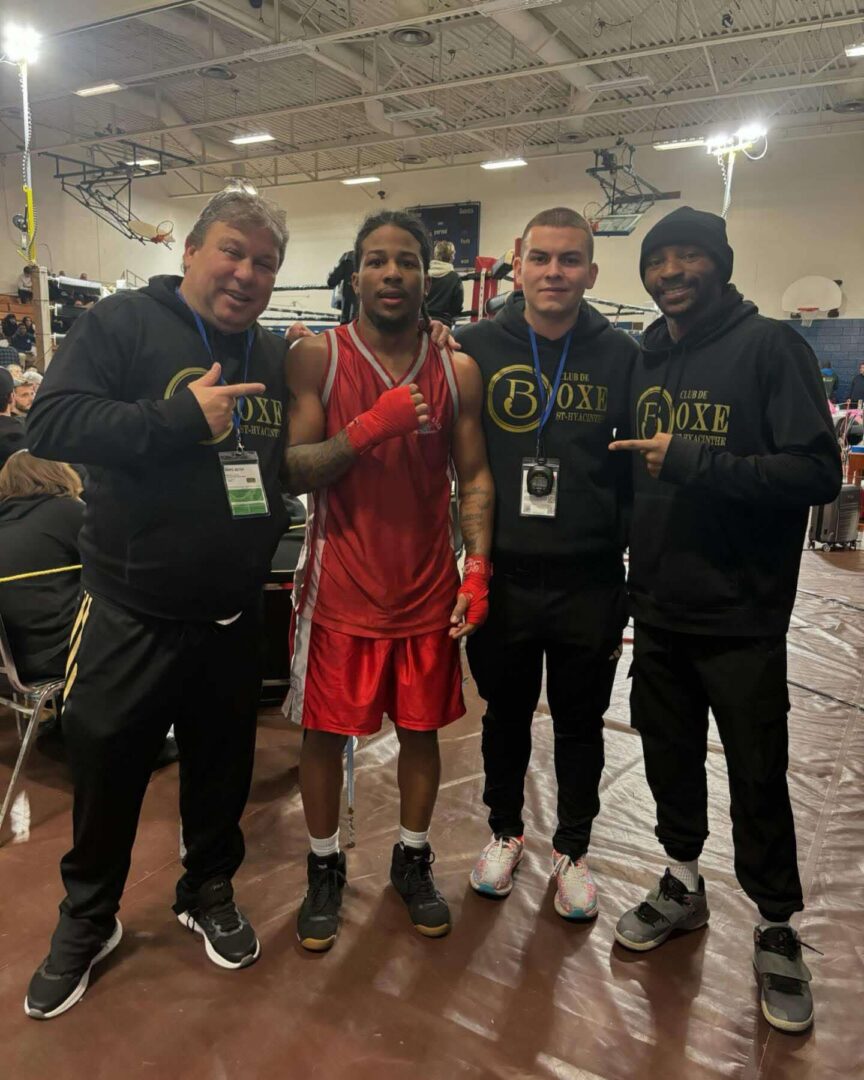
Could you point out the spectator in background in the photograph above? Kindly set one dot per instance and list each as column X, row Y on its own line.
column 23, row 392
column 856, row 390
column 830, row 381
column 11, row 429
column 21, row 340
column 8, row 355
column 445, row 296
column 25, row 285
column 30, row 328
column 10, row 325
column 41, row 514
column 83, row 277
column 341, row 274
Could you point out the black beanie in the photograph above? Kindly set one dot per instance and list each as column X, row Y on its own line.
column 7, row 385
column 688, row 226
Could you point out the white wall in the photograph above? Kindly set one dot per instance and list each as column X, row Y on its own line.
column 796, row 212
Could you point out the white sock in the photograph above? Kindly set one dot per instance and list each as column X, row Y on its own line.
column 328, row 846
column 413, row 839
column 767, row 924
column 687, row 873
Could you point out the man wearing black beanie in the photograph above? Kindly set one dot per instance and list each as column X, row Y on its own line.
column 734, row 444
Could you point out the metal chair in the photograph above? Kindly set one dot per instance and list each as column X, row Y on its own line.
column 27, row 699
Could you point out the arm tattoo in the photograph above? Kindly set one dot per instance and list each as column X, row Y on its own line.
column 475, row 517
column 315, row 465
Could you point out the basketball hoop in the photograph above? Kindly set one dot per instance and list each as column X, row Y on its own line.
column 808, row 314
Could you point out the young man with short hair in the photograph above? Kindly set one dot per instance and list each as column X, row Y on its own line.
column 734, row 444
column 377, row 414
column 555, row 377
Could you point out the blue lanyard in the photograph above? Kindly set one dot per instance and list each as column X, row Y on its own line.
column 547, row 404
column 240, row 402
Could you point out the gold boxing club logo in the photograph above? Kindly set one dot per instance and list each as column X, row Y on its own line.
column 260, row 415
column 693, row 417
column 513, row 403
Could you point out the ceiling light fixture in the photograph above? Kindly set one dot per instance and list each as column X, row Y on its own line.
column 498, row 7
column 415, row 37
column 420, row 113
column 144, row 163
column 247, row 140
column 219, row 72
column 855, row 50
column 678, row 144
column 362, row 180
column 100, row 88
column 504, row 163
column 21, row 44
column 622, row 83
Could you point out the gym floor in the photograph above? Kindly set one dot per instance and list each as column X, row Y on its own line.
column 514, row 992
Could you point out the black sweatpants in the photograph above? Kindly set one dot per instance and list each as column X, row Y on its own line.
column 538, row 610
column 677, row 677
column 129, row 678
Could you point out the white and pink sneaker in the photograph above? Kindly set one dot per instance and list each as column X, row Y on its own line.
column 493, row 872
column 575, row 890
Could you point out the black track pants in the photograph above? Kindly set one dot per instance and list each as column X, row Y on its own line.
column 129, row 678
column 676, row 679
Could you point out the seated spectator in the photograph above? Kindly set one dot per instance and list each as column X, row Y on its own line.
column 445, row 296
column 23, row 392
column 30, row 328
column 11, row 428
column 8, row 355
column 21, row 340
column 10, row 325
column 41, row 514
column 40, row 517
column 25, row 285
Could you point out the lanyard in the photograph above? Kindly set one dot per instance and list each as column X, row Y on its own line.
column 240, row 402
column 547, row 404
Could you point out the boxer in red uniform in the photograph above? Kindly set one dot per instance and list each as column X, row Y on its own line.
column 377, row 416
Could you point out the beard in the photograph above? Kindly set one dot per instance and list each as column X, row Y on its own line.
column 392, row 324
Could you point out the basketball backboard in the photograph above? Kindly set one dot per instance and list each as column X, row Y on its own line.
column 812, row 297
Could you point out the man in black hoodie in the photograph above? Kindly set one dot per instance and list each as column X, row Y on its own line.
column 555, row 377
column 735, row 443
column 172, row 396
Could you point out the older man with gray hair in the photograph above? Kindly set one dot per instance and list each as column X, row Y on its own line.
column 172, row 396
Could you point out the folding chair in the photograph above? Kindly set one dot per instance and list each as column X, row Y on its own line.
column 28, row 700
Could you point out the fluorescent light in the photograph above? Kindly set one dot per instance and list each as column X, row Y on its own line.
column 414, row 114
column 622, row 83
column 21, row 43
column 279, row 52
column 362, row 180
column 247, row 140
column 101, row 88
column 678, row 144
column 855, row 50
column 144, row 162
column 505, row 163
column 496, row 7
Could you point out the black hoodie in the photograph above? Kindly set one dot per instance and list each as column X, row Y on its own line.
column 158, row 535
column 37, row 534
column 588, row 530
column 716, row 541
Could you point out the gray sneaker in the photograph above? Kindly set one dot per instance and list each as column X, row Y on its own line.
column 784, row 978
column 666, row 909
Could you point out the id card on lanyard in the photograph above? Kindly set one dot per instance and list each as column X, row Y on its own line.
column 538, row 483
column 241, row 469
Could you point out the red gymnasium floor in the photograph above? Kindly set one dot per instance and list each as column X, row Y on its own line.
column 514, row 992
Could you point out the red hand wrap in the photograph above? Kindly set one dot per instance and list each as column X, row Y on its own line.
column 475, row 585
column 392, row 414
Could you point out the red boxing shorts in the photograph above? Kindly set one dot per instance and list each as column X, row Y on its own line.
column 344, row 683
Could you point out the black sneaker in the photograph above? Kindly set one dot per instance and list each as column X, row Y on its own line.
column 228, row 938
column 52, row 992
column 411, row 876
column 784, row 978
column 318, row 920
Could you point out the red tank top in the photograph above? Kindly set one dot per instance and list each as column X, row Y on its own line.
column 378, row 556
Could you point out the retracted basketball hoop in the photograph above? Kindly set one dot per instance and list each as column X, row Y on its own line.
column 812, row 297
column 808, row 314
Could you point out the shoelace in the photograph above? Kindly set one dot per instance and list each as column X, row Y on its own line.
column 670, row 889
column 418, row 874
column 326, row 887
column 782, row 940
column 562, row 867
column 224, row 916
column 495, row 850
